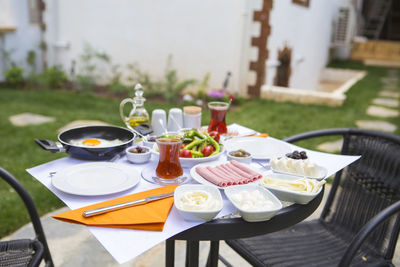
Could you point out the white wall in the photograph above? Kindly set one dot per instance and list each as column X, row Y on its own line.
column 202, row 36
column 15, row 13
column 308, row 32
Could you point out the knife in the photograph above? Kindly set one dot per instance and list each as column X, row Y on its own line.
column 142, row 201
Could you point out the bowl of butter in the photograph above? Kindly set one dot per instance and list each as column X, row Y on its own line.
column 198, row 202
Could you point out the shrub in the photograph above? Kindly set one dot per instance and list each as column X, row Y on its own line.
column 116, row 86
column 173, row 87
column 54, row 77
column 14, row 77
column 151, row 87
column 92, row 66
column 31, row 60
column 85, row 83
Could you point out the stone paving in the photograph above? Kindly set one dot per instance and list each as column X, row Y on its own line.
column 382, row 112
column 377, row 126
column 388, row 102
column 390, row 94
column 25, row 119
column 331, row 147
column 386, row 106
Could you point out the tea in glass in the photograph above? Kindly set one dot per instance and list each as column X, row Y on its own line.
column 169, row 166
column 218, row 113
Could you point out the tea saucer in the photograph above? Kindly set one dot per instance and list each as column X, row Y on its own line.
column 149, row 174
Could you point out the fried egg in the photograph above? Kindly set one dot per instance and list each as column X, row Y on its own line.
column 95, row 142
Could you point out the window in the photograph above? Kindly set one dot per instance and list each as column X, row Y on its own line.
column 283, row 71
column 305, row 3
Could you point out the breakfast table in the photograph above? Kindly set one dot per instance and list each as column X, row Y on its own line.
column 125, row 244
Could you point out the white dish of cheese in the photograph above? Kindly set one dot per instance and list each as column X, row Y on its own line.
column 198, row 202
column 254, row 203
column 291, row 188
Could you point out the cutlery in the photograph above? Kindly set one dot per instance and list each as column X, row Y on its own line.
column 142, row 201
column 254, row 134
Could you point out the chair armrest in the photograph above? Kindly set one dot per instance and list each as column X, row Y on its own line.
column 365, row 231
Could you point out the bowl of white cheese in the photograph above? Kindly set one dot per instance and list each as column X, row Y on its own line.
column 298, row 167
column 254, row 203
column 198, row 202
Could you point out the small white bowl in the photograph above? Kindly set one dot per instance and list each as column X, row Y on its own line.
column 246, row 159
column 289, row 195
column 138, row 157
column 198, row 215
column 149, row 143
column 254, row 216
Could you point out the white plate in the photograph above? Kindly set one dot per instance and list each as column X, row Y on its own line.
column 188, row 162
column 201, row 180
column 259, row 147
column 96, row 179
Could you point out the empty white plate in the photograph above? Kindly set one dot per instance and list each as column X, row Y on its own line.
column 259, row 147
column 96, row 179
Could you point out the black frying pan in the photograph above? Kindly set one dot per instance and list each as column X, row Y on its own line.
column 90, row 153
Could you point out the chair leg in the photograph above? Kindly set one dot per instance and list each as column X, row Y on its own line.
column 212, row 260
column 169, row 253
column 192, row 253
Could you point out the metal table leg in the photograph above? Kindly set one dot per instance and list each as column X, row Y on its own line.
column 192, row 253
column 169, row 253
column 212, row 260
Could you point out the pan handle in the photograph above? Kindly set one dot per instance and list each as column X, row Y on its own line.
column 50, row 145
column 144, row 128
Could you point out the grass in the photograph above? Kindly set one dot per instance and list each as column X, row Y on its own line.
column 19, row 152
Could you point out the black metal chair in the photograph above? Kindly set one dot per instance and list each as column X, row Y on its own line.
column 25, row 252
column 365, row 195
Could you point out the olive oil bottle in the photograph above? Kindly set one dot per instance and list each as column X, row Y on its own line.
column 138, row 114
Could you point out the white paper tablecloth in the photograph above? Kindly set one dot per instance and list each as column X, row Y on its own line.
column 126, row 244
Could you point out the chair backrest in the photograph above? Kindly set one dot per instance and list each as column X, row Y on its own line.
column 26, row 198
column 364, row 188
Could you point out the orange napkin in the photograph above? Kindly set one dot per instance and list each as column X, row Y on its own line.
column 150, row 216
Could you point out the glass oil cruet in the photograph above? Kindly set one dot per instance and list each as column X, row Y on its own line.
column 138, row 114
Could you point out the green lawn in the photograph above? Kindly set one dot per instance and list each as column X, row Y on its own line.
column 19, row 151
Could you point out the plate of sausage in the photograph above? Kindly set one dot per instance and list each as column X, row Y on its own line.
column 223, row 174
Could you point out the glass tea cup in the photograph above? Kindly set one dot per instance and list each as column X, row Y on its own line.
column 218, row 113
column 169, row 166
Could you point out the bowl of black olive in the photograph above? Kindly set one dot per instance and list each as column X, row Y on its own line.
column 138, row 154
column 149, row 141
column 297, row 155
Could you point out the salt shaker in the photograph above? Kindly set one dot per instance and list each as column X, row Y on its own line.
column 159, row 121
column 175, row 119
column 192, row 117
